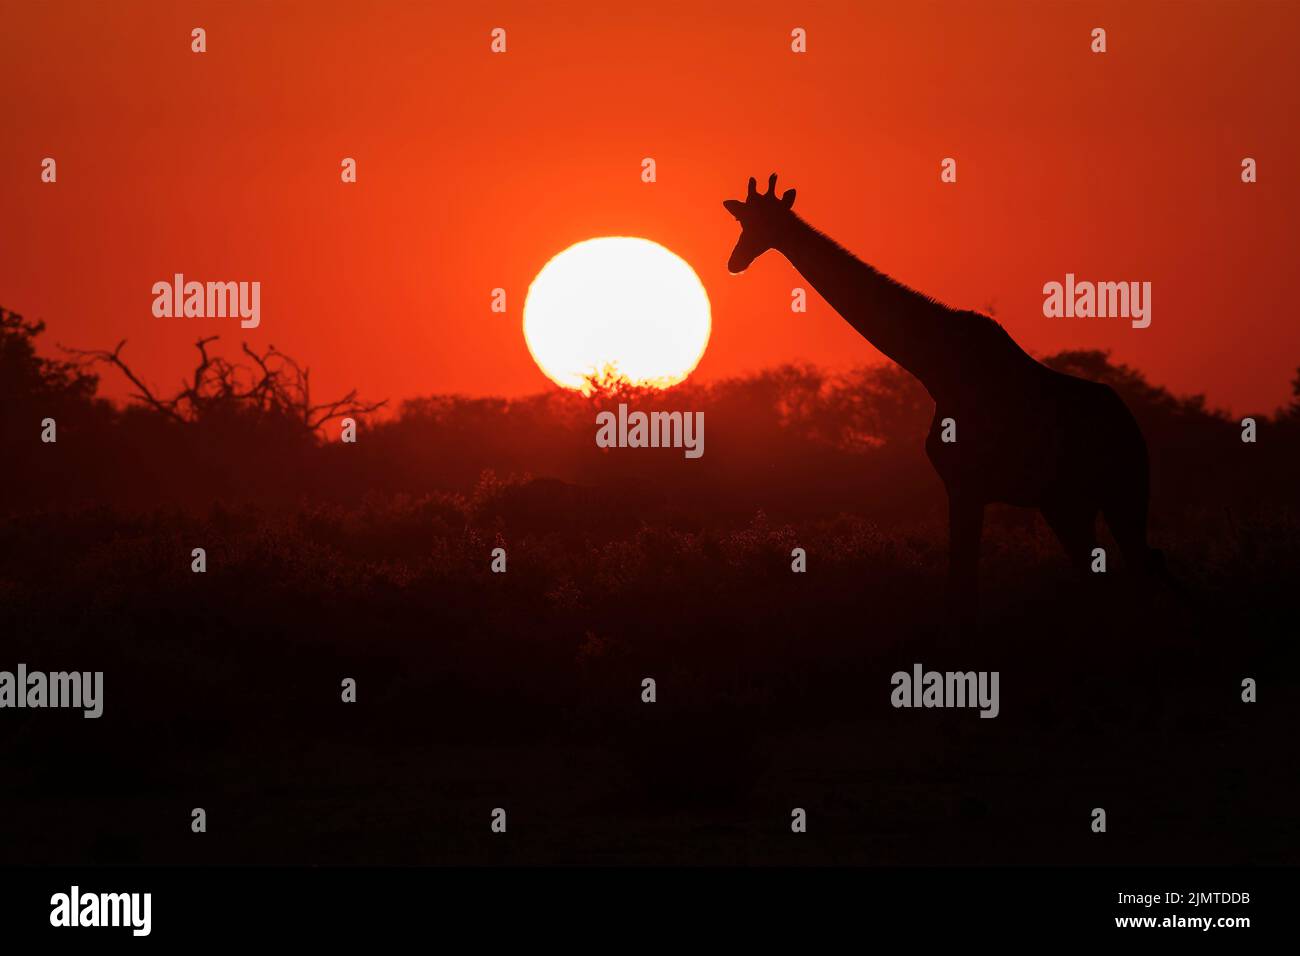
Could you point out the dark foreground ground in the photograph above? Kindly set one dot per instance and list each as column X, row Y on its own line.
column 523, row 691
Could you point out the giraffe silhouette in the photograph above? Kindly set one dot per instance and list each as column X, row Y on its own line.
column 1017, row 432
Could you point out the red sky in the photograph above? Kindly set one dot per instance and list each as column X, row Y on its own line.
column 476, row 168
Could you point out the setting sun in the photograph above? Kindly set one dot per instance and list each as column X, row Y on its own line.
column 620, row 305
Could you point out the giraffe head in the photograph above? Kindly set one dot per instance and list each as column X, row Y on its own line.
column 762, row 217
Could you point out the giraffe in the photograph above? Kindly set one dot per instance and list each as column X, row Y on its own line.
column 1025, row 434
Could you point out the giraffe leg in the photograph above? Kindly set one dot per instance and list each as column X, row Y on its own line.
column 1126, row 516
column 965, row 529
column 1075, row 525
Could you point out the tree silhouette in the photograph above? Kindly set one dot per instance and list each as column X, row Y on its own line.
column 27, row 378
column 273, row 387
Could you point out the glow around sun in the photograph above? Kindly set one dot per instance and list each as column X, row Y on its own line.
column 617, row 305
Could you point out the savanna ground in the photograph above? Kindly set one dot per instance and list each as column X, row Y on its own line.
column 523, row 690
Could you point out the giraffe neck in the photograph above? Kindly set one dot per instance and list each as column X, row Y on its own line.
column 906, row 326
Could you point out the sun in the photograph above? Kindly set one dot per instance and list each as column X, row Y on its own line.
column 617, row 305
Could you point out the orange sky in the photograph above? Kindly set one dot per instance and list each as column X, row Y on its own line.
column 475, row 168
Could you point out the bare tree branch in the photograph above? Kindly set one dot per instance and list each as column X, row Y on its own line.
column 277, row 386
column 143, row 393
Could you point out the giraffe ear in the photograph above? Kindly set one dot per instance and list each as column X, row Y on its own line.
column 787, row 199
column 733, row 206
